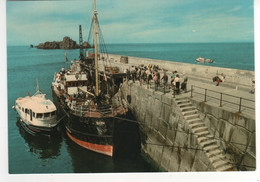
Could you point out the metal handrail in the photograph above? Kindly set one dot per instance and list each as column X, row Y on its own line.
column 206, row 95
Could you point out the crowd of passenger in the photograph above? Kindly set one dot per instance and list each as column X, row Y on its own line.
column 158, row 76
column 153, row 74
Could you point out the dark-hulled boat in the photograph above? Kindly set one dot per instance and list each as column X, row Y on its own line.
column 84, row 94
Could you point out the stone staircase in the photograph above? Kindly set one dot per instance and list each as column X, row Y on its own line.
column 207, row 142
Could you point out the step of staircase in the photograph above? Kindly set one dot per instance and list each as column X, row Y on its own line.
column 211, row 148
column 216, row 158
column 188, row 108
column 203, row 133
column 193, row 116
column 205, row 138
column 184, row 105
column 208, row 142
column 225, row 168
column 220, row 164
column 196, row 125
column 200, row 129
column 181, row 98
column 192, row 121
column 182, row 102
column 214, row 153
column 185, row 113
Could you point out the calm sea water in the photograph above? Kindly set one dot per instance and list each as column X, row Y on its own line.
column 29, row 154
column 228, row 55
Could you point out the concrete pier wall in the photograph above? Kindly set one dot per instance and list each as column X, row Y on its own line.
column 236, row 133
column 235, row 78
column 168, row 139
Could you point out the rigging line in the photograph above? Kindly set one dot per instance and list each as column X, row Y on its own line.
column 90, row 31
column 183, row 147
column 133, row 121
column 101, row 44
column 102, row 49
column 102, row 39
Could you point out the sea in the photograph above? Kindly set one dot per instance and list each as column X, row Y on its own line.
column 29, row 154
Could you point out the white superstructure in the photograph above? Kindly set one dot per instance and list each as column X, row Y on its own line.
column 37, row 112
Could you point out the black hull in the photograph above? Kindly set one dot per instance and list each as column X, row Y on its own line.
column 95, row 134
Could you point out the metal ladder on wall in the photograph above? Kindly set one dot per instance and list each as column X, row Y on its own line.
column 207, row 142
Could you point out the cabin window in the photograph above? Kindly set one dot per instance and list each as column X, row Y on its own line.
column 23, row 109
column 34, row 114
column 39, row 115
column 53, row 113
column 26, row 111
column 47, row 114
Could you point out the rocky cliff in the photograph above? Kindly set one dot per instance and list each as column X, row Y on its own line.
column 66, row 43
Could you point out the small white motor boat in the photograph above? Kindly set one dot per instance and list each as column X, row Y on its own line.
column 37, row 115
column 204, row 60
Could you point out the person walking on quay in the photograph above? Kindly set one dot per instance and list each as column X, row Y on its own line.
column 149, row 76
column 219, row 79
column 177, row 84
column 133, row 73
column 158, row 76
column 165, row 81
column 155, row 78
column 184, row 84
column 142, row 76
column 252, row 91
column 127, row 75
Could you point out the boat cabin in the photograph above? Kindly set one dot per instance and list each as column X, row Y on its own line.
column 35, row 108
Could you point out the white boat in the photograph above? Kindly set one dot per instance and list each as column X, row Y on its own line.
column 37, row 115
column 204, row 60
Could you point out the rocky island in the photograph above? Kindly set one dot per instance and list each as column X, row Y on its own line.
column 66, row 43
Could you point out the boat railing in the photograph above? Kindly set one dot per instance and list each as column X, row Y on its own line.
column 81, row 110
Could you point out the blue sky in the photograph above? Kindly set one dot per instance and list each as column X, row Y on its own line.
column 132, row 21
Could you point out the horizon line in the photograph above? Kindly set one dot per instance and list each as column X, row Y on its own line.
column 153, row 43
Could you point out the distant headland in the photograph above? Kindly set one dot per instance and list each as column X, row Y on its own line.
column 66, row 43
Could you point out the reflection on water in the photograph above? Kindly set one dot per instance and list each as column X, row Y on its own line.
column 43, row 146
column 126, row 158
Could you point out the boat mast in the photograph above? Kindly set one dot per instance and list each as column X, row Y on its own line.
column 96, row 51
column 37, row 88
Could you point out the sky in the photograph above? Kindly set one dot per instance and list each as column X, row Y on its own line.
column 132, row 21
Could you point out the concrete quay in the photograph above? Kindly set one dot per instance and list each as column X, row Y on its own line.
column 182, row 133
column 235, row 78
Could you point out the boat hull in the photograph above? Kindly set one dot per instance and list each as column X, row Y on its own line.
column 37, row 130
column 102, row 149
column 85, row 131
